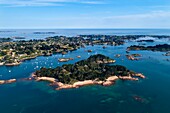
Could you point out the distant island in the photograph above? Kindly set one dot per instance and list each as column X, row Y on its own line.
column 13, row 53
column 149, row 40
column 94, row 70
column 18, row 37
column 5, row 40
column 43, row 32
column 162, row 48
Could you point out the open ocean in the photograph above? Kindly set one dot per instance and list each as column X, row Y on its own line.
column 38, row 97
column 30, row 33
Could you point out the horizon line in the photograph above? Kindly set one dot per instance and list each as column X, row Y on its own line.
column 83, row 28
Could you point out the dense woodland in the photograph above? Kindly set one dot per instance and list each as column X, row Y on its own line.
column 88, row 69
column 163, row 48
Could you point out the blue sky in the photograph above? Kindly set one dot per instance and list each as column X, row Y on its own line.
column 84, row 14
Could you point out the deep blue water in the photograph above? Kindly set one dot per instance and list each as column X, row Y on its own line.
column 29, row 33
column 38, row 97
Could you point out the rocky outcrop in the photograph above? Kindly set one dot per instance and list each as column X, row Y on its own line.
column 7, row 81
column 2, row 81
column 49, row 79
column 133, row 56
column 12, row 64
column 65, row 59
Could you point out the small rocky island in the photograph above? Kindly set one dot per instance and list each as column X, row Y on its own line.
column 162, row 48
column 94, row 70
column 133, row 56
column 167, row 54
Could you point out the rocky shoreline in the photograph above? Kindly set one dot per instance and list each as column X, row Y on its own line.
column 7, row 81
column 12, row 64
column 108, row 82
column 59, row 85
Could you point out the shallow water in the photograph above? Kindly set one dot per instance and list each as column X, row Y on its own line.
column 38, row 97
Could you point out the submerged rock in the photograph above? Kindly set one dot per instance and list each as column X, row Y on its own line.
column 118, row 55
column 141, row 99
column 89, row 51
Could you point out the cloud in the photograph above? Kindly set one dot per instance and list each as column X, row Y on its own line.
column 15, row 3
column 92, row 2
column 153, row 14
column 153, row 19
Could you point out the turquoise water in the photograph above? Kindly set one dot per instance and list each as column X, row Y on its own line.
column 39, row 97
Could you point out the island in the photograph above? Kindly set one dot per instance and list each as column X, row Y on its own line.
column 43, row 32
column 13, row 53
column 19, row 37
column 160, row 47
column 97, row 69
column 64, row 59
column 133, row 56
column 149, row 40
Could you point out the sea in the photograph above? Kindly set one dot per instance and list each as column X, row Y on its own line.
column 44, row 33
column 39, row 97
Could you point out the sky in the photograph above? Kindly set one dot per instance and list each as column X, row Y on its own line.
column 66, row 14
